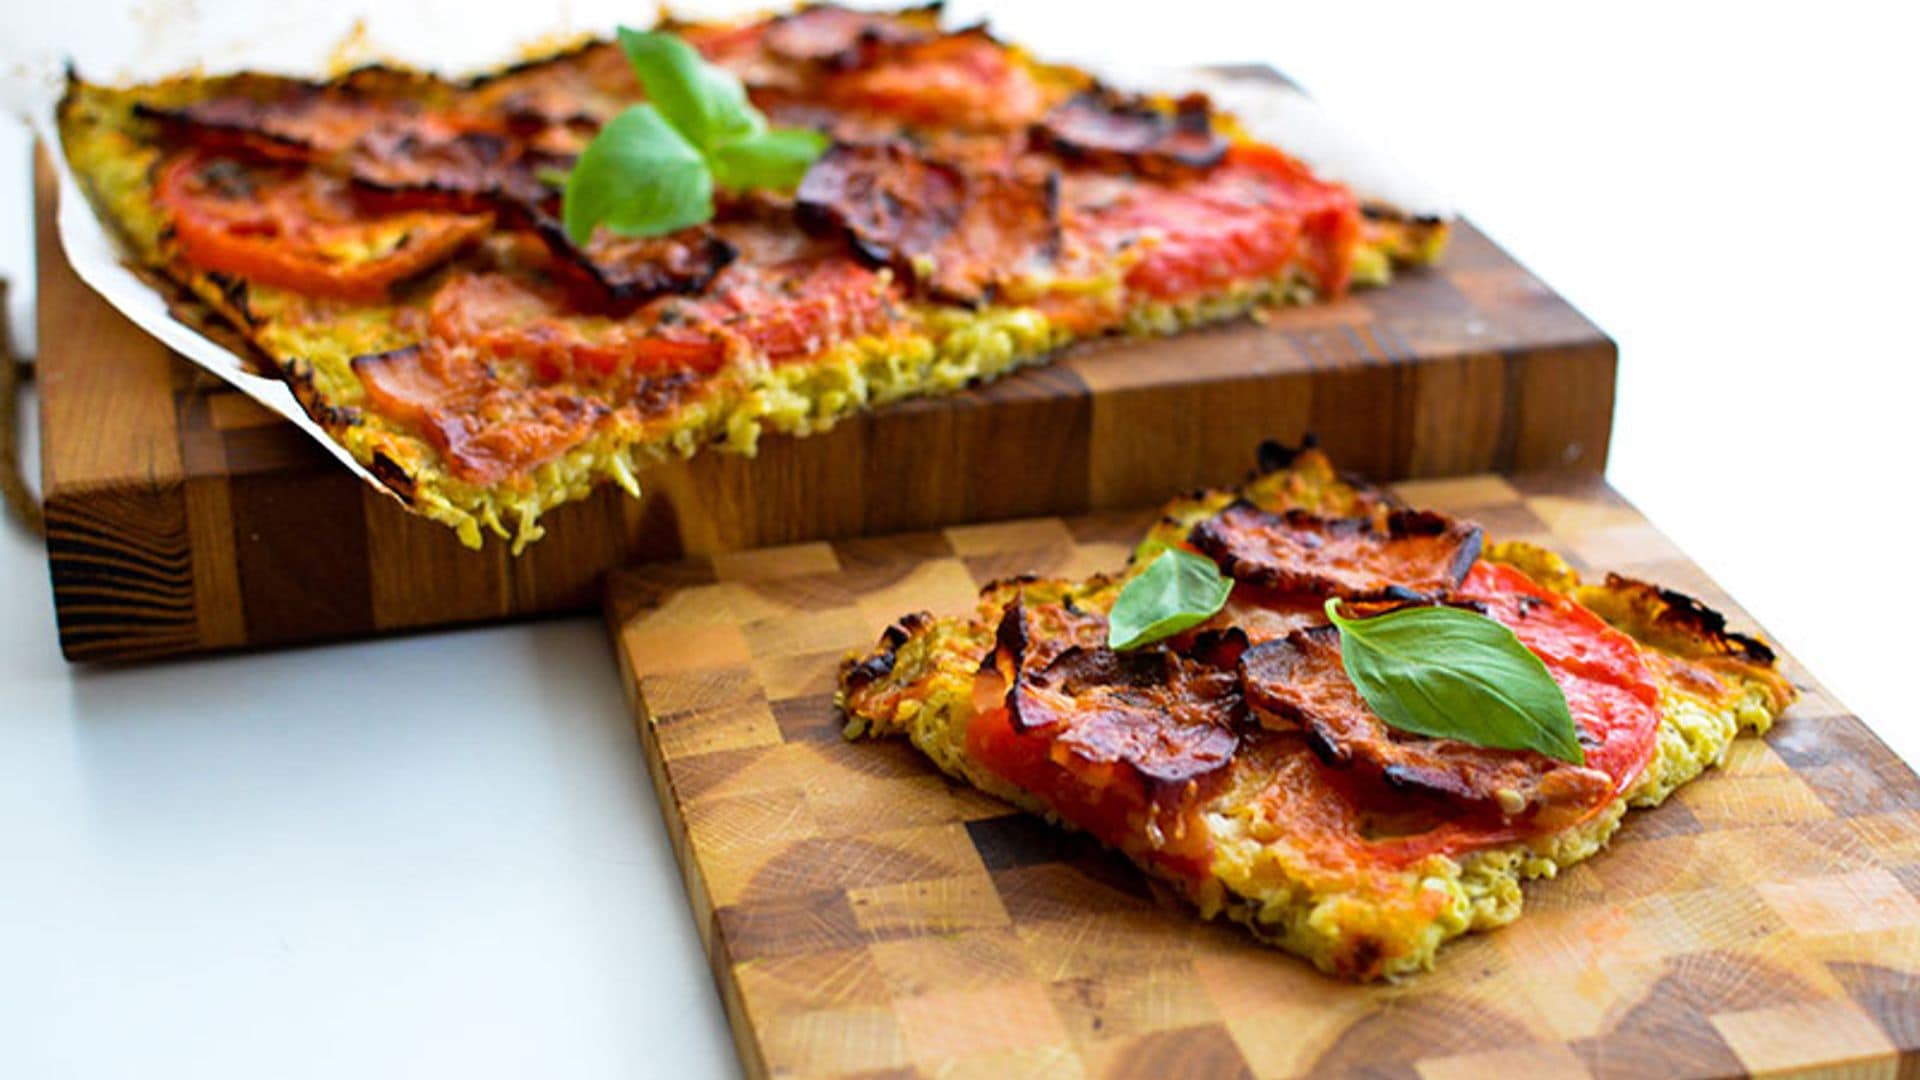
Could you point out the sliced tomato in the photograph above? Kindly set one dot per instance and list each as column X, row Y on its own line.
column 794, row 310
column 964, row 80
column 512, row 318
column 1252, row 217
column 1610, row 690
column 300, row 229
column 485, row 430
column 1609, row 687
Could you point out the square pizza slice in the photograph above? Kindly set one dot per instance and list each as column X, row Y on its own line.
column 1237, row 759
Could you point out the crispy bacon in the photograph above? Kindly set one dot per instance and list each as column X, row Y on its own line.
column 1299, row 681
column 301, row 123
column 1156, row 716
column 841, row 38
column 1416, row 555
column 959, row 233
column 1110, row 130
column 625, row 271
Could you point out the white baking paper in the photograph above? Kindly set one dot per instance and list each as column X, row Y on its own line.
column 99, row 260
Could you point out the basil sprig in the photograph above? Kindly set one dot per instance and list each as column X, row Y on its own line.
column 1176, row 591
column 1453, row 674
column 653, row 168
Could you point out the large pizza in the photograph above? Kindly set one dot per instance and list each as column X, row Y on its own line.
column 399, row 246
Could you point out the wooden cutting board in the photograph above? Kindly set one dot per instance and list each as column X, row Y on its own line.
column 183, row 517
column 864, row 915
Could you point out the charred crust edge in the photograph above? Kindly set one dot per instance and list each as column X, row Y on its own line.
column 1683, row 613
column 858, row 673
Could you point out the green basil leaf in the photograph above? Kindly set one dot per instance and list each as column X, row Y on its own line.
column 774, row 159
column 1453, row 674
column 638, row 177
column 1177, row 591
column 705, row 103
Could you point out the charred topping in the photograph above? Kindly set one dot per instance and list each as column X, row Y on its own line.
column 1275, row 456
column 1107, row 129
column 1417, row 555
column 1219, row 648
column 1171, row 720
column 856, row 674
column 957, row 233
column 625, row 272
column 1682, row 613
column 839, row 38
column 390, row 473
column 234, row 291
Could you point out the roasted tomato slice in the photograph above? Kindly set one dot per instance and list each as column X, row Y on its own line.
column 487, row 431
column 1609, row 685
column 1387, row 799
column 962, row 80
column 506, row 318
column 795, row 309
column 1299, row 681
column 1255, row 215
column 300, row 229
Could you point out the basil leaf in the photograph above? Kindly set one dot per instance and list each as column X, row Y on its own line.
column 705, row 103
column 774, row 159
column 638, row 177
column 1453, row 674
column 1176, row 591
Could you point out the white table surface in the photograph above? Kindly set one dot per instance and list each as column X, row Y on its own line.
column 440, row 854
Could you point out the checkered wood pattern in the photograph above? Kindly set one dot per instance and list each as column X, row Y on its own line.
column 866, row 916
column 182, row 517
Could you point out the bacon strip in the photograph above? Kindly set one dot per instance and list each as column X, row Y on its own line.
column 1299, row 681
column 1162, row 718
column 959, row 233
column 841, row 38
column 1417, row 555
column 1110, row 130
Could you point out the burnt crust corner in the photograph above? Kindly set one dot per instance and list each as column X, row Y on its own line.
column 1676, row 612
column 858, row 672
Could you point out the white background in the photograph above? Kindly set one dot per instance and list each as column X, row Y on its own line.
column 440, row 853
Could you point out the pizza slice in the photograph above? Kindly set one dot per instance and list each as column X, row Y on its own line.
column 1238, row 760
column 393, row 244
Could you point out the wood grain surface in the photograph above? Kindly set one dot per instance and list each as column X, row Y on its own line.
column 183, row 517
column 866, row 916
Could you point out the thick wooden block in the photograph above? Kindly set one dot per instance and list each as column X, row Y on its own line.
column 864, row 913
column 182, row 517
